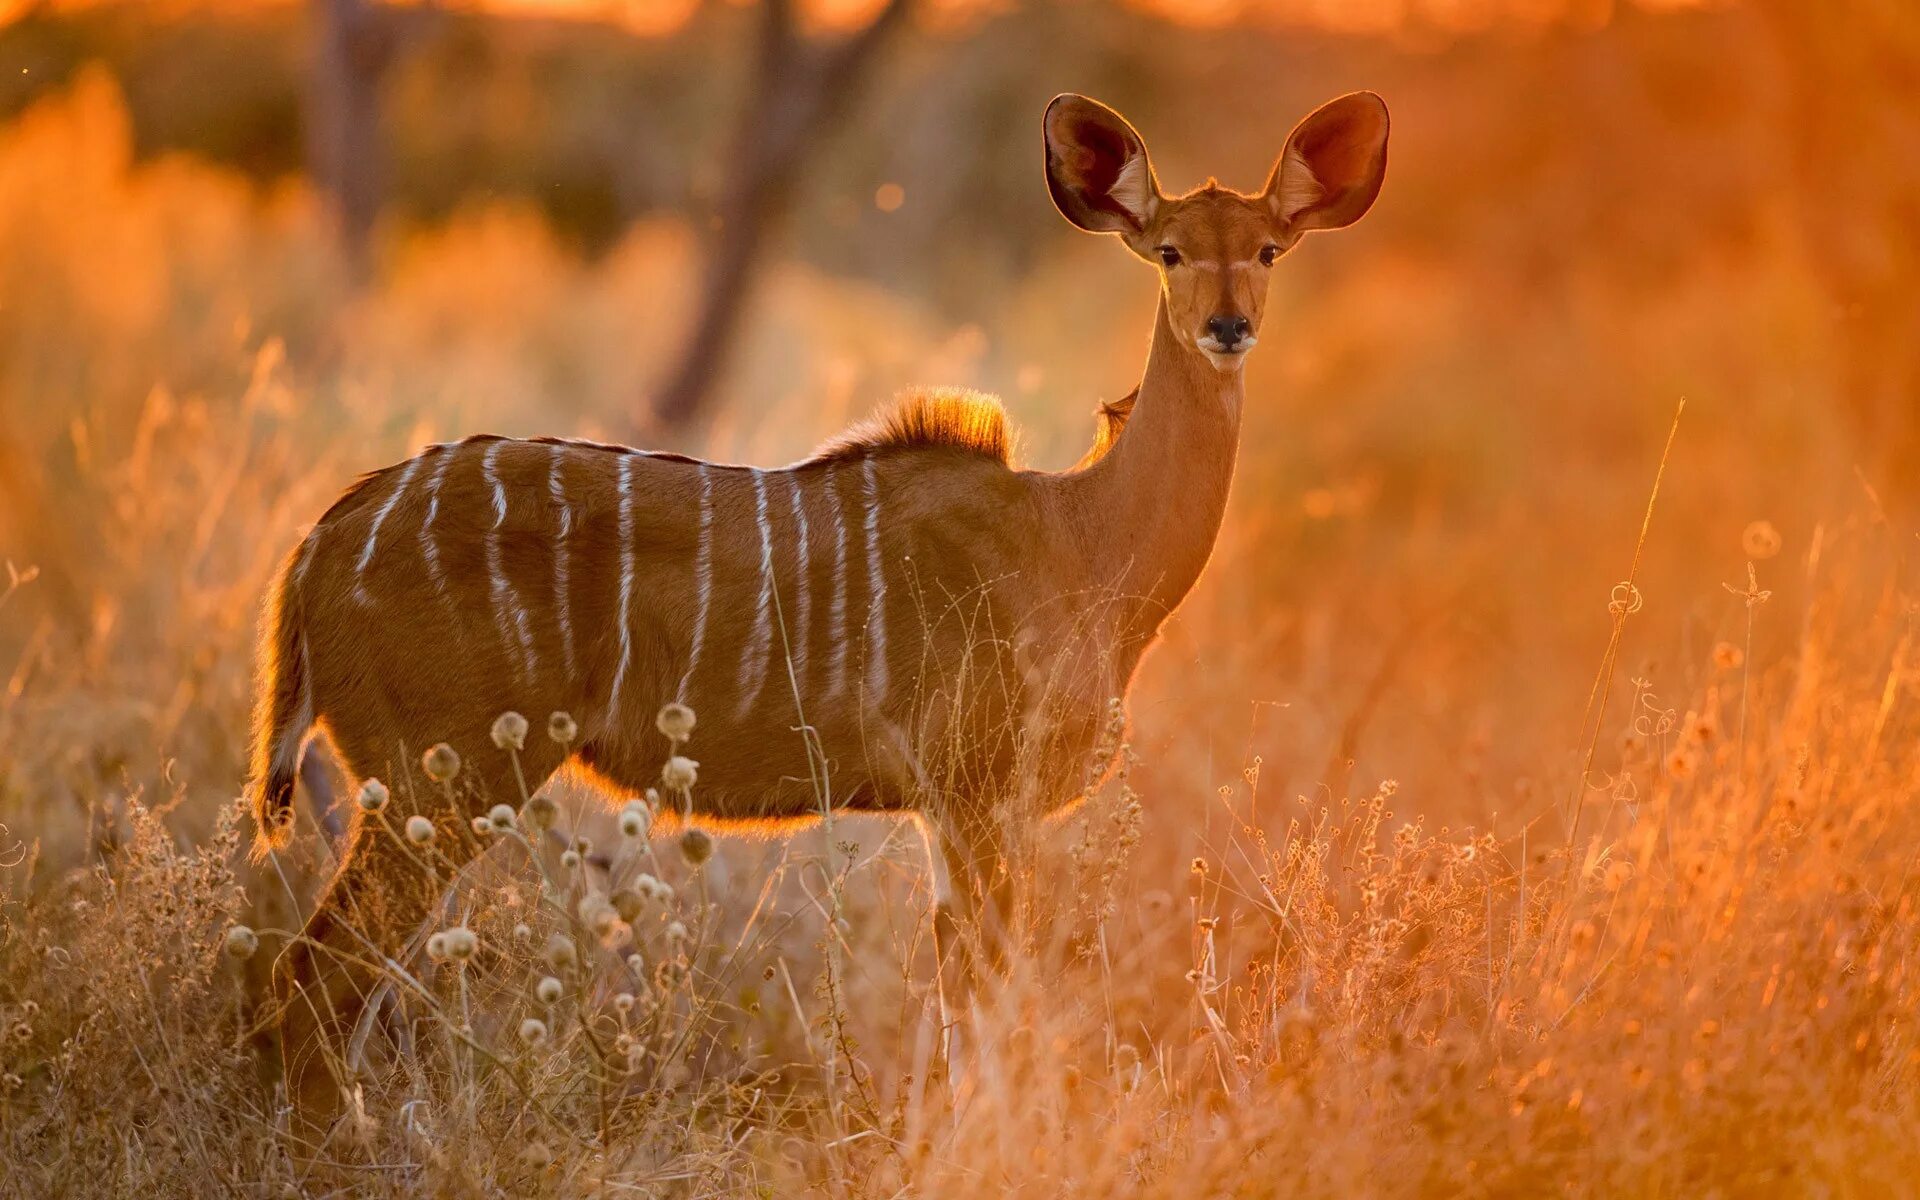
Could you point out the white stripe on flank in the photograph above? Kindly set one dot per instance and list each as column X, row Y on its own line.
column 505, row 603
column 876, row 589
column 379, row 519
column 430, row 549
column 837, row 629
column 703, row 581
column 802, row 603
column 626, row 585
column 753, row 665
column 562, row 553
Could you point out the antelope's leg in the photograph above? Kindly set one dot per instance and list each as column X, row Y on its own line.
column 972, row 906
column 383, row 892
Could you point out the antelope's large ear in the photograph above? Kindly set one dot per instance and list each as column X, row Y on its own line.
column 1097, row 167
column 1332, row 167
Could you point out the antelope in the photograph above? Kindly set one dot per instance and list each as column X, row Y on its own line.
column 948, row 631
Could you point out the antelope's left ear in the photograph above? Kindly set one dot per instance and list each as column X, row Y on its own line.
column 1332, row 167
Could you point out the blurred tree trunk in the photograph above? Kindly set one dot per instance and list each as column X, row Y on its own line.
column 354, row 43
column 799, row 90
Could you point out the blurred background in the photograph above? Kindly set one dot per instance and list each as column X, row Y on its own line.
column 249, row 249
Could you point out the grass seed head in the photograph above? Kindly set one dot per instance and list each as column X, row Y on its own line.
column 510, row 731
column 635, row 820
column 680, row 773
column 242, row 942
column 441, row 763
column 596, row 914
column 628, row 903
column 676, row 721
column 372, row 796
column 459, row 943
column 696, row 846
column 540, row 812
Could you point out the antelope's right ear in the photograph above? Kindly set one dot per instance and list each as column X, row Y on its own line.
column 1097, row 167
column 1333, row 165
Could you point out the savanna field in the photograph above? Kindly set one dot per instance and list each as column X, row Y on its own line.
column 1526, row 802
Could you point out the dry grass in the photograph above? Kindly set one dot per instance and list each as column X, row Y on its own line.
column 1262, row 971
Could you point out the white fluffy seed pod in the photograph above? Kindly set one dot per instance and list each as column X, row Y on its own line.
column 562, row 728
column 533, row 1031
column 459, row 943
column 635, row 820
column 680, row 773
column 676, row 721
column 596, row 914
column 549, row 990
column 419, row 830
column 372, row 796
column 440, row 763
column 510, row 731
column 242, row 942
column 561, row 952
column 501, row 817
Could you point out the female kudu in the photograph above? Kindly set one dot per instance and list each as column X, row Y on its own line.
column 949, row 631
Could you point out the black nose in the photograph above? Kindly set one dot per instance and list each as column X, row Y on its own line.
column 1229, row 331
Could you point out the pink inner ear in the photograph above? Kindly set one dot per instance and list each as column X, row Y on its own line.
column 1099, row 159
column 1340, row 149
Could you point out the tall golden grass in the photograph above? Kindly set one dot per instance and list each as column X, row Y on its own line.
column 1373, row 910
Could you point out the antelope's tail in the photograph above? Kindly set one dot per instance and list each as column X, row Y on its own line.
column 283, row 712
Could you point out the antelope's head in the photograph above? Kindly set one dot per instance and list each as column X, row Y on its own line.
column 1214, row 247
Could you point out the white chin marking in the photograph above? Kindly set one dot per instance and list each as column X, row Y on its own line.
column 1222, row 358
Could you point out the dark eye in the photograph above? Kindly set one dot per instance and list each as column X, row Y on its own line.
column 1268, row 254
column 1169, row 256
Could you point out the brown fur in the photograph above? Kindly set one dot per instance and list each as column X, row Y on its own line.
column 968, row 687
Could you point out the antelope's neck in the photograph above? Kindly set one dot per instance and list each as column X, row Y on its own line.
column 1148, row 513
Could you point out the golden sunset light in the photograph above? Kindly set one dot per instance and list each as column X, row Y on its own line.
column 963, row 599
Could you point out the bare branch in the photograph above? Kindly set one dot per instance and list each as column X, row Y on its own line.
column 798, row 94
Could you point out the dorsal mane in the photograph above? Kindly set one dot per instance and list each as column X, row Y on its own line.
column 1112, row 417
column 954, row 418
